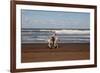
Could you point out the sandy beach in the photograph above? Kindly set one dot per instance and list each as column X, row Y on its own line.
column 39, row 52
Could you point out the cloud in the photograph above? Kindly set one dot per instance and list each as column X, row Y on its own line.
column 43, row 19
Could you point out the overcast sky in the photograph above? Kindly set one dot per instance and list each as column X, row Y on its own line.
column 54, row 19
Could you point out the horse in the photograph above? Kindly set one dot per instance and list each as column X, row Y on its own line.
column 53, row 42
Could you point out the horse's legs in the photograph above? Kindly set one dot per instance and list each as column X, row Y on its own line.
column 55, row 44
column 50, row 44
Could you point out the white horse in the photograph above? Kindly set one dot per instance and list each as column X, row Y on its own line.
column 51, row 43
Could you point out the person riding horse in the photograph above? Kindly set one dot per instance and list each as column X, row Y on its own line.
column 52, row 42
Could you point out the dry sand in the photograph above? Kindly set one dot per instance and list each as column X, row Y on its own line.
column 66, row 51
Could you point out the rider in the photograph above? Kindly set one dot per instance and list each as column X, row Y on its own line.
column 53, row 38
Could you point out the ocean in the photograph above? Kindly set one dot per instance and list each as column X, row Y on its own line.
column 64, row 35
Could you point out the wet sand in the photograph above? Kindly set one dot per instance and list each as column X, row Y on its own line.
column 66, row 51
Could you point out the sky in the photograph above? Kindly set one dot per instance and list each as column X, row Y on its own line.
column 54, row 19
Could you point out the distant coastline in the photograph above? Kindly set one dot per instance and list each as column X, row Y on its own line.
column 55, row 28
